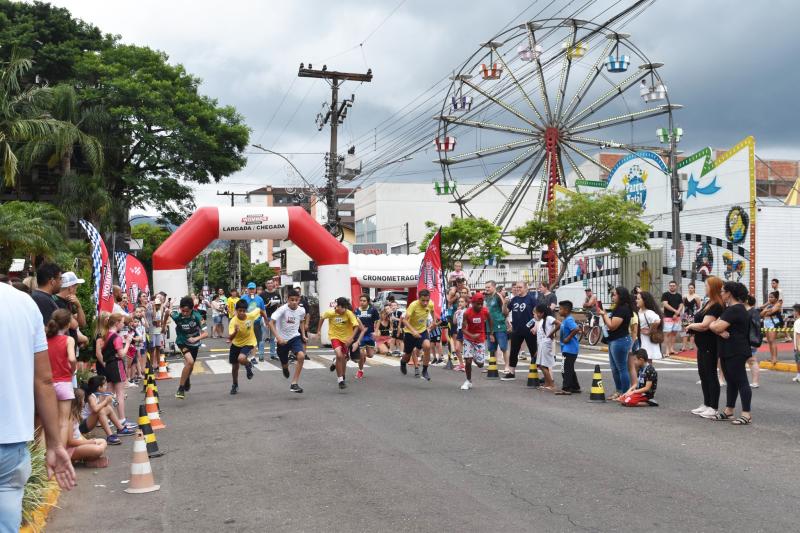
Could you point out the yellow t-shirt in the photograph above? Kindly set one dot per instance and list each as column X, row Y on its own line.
column 417, row 315
column 245, row 336
column 232, row 306
column 340, row 327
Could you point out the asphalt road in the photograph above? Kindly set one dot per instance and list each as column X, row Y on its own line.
column 394, row 453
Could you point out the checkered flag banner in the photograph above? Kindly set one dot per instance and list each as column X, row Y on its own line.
column 101, row 273
column 121, row 259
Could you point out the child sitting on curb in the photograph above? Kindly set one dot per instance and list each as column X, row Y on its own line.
column 644, row 391
column 90, row 451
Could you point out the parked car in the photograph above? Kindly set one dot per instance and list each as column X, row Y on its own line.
column 382, row 299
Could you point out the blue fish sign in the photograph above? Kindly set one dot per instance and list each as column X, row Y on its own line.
column 694, row 188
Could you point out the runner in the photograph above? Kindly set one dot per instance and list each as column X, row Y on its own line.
column 474, row 326
column 458, row 322
column 288, row 327
column 189, row 331
column 272, row 301
column 369, row 317
column 254, row 301
column 342, row 329
column 396, row 317
column 416, row 335
column 241, row 335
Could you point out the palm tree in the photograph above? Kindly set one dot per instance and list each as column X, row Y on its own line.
column 30, row 228
column 22, row 118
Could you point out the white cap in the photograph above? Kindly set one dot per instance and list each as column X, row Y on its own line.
column 68, row 279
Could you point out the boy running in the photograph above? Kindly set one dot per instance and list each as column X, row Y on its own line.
column 243, row 341
column 288, row 326
column 369, row 317
column 189, row 331
column 416, row 331
column 342, row 329
column 473, row 328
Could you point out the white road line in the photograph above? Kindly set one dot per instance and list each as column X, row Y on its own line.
column 310, row 364
column 383, row 361
column 266, row 367
column 218, row 366
column 175, row 369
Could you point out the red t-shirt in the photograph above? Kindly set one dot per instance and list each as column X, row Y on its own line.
column 475, row 323
column 59, row 359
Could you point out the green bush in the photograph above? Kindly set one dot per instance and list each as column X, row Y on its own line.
column 38, row 484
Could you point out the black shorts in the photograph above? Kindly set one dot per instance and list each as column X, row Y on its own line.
column 192, row 350
column 410, row 341
column 83, row 428
column 294, row 345
column 397, row 334
column 114, row 371
column 233, row 353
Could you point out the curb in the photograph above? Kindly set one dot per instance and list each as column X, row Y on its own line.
column 778, row 367
column 40, row 515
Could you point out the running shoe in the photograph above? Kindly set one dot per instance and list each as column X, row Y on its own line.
column 126, row 432
column 796, row 379
column 285, row 372
column 180, row 394
column 403, row 368
column 425, row 375
column 249, row 370
column 699, row 409
column 294, row 387
column 234, row 389
column 292, row 358
column 467, row 385
column 333, row 366
column 188, row 384
column 129, row 424
column 460, row 368
column 254, row 361
column 359, row 374
column 508, row 376
column 113, row 440
column 342, row 385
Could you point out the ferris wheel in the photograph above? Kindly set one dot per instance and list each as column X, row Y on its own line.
column 543, row 100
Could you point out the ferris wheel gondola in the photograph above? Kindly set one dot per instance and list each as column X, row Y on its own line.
column 547, row 100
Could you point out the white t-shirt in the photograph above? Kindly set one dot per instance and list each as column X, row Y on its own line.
column 543, row 332
column 796, row 333
column 118, row 310
column 287, row 321
column 22, row 331
column 649, row 317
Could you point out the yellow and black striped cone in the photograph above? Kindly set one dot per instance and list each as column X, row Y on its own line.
column 598, row 394
column 152, row 385
column 533, row 375
column 149, row 435
column 449, row 364
column 492, row 372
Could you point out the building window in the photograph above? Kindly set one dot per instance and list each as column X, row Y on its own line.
column 401, row 248
column 366, row 230
column 345, row 213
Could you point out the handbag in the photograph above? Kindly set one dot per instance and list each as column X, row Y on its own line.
column 656, row 333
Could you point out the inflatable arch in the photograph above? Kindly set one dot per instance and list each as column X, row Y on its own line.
column 339, row 273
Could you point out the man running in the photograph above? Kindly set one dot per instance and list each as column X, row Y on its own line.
column 416, row 336
column 343, row 326
column 288, row 327
column 368, row 316
column 189, row 331
column 241, row 335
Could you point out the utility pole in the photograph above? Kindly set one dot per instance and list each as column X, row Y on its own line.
column 335, row 115
column 235, row 275
column 408, row 241
column 677, row 201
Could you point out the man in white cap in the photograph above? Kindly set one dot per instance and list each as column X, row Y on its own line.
column 67, row 298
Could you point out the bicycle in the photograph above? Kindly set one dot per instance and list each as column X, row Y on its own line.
column 590, row 329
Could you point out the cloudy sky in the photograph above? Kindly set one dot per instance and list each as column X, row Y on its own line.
column 731, row 63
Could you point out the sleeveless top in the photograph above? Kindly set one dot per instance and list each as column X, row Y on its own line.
column 59, row 360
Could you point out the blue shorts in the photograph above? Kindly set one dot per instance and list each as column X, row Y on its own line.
column 410, row 342
column 770, row 322
column 500, row 339
column 233, row 353
column 218, row 319
column 368, row 340
column 294, row 345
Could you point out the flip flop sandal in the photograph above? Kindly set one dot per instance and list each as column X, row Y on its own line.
column 563, row 393
column 721, row 416
column 741, row 421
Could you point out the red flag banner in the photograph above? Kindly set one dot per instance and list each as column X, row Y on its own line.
column 431, row 276
column 135, row 279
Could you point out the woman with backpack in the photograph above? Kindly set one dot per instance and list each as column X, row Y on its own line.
column 733, row 328
column 707, row 351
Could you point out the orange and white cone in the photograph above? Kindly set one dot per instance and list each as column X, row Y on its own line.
column 141, row 474
column 151, row 406
column 163, row 373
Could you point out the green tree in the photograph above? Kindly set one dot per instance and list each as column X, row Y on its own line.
column 152, row 237
column 165, row 135
column 28, row 229
column 261, row 272
column 583, row 222
column 474, row 239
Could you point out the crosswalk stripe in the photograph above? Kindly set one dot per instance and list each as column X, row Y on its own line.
column 384, row 361
column 218, row 366
column 266, row 367
column 310, row 364
column 175, row 369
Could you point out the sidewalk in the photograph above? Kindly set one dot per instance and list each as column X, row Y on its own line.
column 785, row 357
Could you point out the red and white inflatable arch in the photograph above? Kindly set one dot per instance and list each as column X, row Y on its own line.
column 339, row 273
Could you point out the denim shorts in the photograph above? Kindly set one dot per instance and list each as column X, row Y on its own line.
column 15, row 469
column 500, row 339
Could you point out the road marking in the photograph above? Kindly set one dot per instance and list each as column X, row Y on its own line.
column 218, row 366
column 175, row 369
column 310, row 364
column 265, row 366
column 384, row 361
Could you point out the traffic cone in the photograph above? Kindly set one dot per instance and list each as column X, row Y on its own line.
column 149, row 436
column 147, row 374
column 151, row 406
column 162, row 368
column 492, row 372
column 598, row 394
column 533, row 375
column 141, row 474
